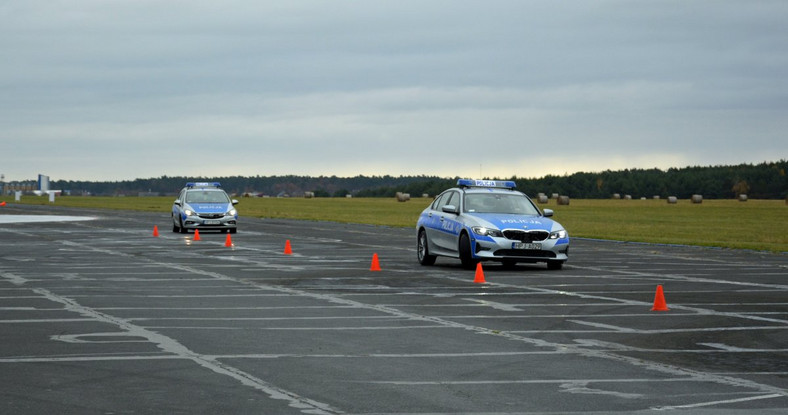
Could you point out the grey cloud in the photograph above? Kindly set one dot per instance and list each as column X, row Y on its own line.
column 323, row 87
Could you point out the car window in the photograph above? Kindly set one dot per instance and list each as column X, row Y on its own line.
column 439, row 201
column 206, row 196
column 447, row 198
column 499, row 203
column 453, row 199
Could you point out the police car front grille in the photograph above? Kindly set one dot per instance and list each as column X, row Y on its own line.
column 526, row 236
column 211, row 215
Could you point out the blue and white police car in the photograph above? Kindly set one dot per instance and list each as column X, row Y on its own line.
column 204, row 206
column 486, row 220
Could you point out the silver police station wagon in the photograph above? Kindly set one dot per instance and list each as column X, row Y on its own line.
column 486, row 220
column 204, row 206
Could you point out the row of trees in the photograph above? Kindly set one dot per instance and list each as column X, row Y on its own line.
column 759, row 181
column 762, row 181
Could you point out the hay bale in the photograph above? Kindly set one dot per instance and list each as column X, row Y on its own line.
column 543, row 198
column 697, row 199
column 656, row 197
column 563, row 200
column 672, row 200
column 742, row 198
column 403, row 197
column 554, row 196
column 616, row 196
column 309, row 195
column 425, row 195
column 627, row 197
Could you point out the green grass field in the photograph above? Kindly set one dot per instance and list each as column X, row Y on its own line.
column 755, row 224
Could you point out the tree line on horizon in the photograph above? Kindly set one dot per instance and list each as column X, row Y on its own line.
column 766, row 180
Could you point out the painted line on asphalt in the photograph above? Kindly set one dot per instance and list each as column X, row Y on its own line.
column 722, row 402
column 175, row 348
column 9, row 219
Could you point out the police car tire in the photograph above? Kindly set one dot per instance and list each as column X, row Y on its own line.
column 465, row 252
column 425, row 258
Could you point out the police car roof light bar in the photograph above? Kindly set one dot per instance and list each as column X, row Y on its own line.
column 502, row 184
column 203, row 184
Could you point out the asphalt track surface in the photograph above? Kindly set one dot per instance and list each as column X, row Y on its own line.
column 101, row 317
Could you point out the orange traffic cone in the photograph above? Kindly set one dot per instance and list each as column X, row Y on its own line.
column 2, row 203
column 479, row 277
column 288, row 249
column 229, row 241
column 155, row 230
column 375, row 263
column 196, row 234
column 659, row 301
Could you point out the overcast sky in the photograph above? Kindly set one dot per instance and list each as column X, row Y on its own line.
column 125, row 89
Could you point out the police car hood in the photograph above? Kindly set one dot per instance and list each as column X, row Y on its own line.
column 210, row 207
column 504, row 221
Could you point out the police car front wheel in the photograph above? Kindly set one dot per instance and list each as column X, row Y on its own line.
column 466, row 257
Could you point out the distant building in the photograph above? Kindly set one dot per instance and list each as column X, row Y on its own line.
column 27, row 186
column 43, row 183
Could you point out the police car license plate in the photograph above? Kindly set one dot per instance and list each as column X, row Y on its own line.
column 525, row 245
column 211, row 222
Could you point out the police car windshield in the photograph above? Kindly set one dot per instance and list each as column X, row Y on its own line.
column 206, row 196
column 499, row 203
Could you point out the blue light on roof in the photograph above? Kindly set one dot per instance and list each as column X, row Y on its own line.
column 502, row 184
column 203, row 184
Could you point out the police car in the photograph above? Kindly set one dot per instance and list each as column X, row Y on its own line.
column 204, row 206
column 482, row 220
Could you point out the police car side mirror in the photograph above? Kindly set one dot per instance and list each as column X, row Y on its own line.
column 177, row 202
column 235, row 202
column 450, row 209
column 548, row 213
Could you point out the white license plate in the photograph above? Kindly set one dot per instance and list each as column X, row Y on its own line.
column 525, row 245
column 211, row 222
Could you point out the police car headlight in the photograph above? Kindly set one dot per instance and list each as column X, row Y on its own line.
column 189, row 212
column 481, row 230
column 232, row 212
column 558, row 234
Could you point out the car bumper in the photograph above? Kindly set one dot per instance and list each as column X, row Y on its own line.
column 502, row 249
column 196, row 222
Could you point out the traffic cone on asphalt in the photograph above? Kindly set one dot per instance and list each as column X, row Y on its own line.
column 479, row 277
column 229, row 241
column 2, row 203
column 288, row 249
column 196, row 234
column 155, row 230
column 659, row 301
column 375, row 263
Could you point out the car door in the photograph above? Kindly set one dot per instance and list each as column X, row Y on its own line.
column 430, row 219
column 447, row 227
column 177, row 207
